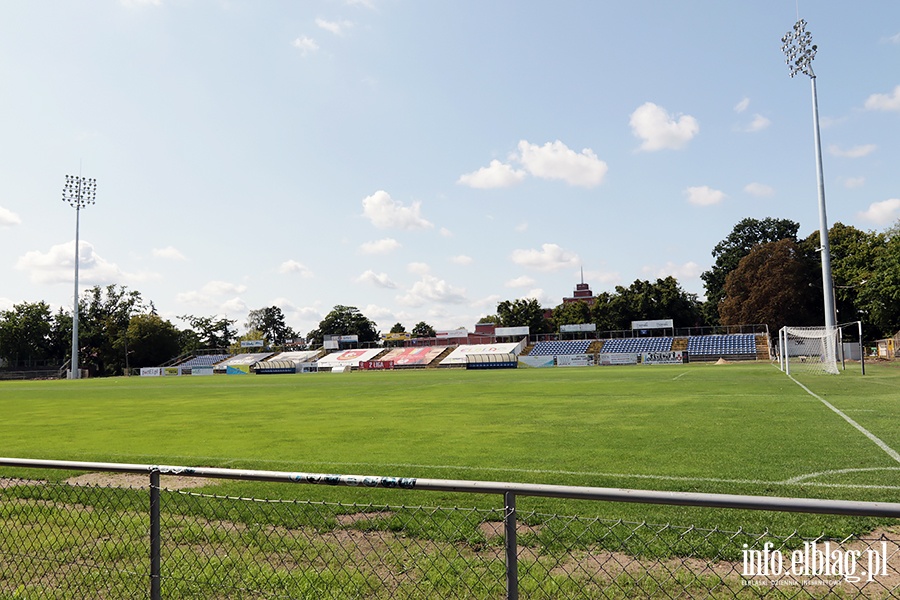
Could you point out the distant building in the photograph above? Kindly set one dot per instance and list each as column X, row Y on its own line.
column 582, row 293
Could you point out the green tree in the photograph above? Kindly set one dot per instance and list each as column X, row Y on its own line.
column 207, row 332
column 423, row 330
column 104, row 315
column 344, row 320
column 26, row 334
column 270, row 322
column 879, row 296
column 772, row 285
column 398, row 328
column 571, row 313
column 521, row 313
column 746, row 235
column 152, row 340
column 643, row 300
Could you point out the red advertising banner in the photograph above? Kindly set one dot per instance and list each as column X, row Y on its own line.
column 370, row 365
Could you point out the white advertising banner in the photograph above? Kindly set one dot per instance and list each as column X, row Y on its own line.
column 510, row 331
column 655, row 324
column 151, row 371
column 675, row 357
column 619, row 358
column 202, row 370
column 578, row 327
column 573, row 360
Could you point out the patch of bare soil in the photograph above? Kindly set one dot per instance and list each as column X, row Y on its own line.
column 136, row 481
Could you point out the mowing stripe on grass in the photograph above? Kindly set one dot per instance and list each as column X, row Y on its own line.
column 878, row 442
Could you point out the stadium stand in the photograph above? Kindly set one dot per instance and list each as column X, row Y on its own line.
column 560, row 348
column 638, row 345
column 412, row 356
column 204, row 360
column 722, row 346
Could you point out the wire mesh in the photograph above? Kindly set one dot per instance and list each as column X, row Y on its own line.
column 59, row 540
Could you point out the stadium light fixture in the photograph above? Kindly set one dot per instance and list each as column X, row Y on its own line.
column 78, row 192
column 799, row 53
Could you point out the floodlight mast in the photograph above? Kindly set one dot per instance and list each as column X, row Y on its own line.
column 78, row 192
column 799, row 53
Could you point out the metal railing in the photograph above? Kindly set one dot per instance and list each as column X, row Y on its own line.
column 74, row 540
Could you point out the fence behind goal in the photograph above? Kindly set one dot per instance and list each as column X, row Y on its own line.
column 65, row 540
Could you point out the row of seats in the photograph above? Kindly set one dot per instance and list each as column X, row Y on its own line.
column 561, row 348
column 638, row 345
column 743, row 343
column 205, row 360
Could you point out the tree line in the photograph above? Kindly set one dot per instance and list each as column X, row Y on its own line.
column 762, row 274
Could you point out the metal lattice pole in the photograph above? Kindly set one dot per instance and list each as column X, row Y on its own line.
column 799, row 53
column 78, row 192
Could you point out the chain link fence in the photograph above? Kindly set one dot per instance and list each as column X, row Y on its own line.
column 76, row 540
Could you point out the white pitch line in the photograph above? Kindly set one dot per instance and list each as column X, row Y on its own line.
column 878, row 441
column 801, row 478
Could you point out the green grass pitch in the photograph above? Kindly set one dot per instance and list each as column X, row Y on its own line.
column 743, row 428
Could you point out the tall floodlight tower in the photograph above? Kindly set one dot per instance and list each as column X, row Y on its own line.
column 799, row 52
column 78, row 192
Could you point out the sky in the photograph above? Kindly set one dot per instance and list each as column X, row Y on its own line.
column 424, row 160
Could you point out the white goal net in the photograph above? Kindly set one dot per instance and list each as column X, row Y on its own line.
column 809, row 349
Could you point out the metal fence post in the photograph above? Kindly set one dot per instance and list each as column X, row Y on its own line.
column 511, row 546
column 155, row 589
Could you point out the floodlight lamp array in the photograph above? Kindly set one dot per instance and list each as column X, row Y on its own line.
column 799, row 51
column 79, row 192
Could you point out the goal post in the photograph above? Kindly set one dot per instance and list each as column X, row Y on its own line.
column 820, row 349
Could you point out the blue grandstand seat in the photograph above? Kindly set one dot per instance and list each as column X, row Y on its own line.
column 560, row 348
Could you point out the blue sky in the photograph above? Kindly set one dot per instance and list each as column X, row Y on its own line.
column 423, row 161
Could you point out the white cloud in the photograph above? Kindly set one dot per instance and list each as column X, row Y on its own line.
column 8, row 218
column 759, row 189
column 234, row 306
column 742, row 105
column 854, row 152
column 550, row 257
column 522, row 227
column 884, row 101
column 758, row 123
column 335, row 27
column 704, row 195
column 418, row 268
column 306, row 45
column 520, row 282
column 386, row 213
column 894, row 39
column 292, row 266
column 377, row 279
column 57, row 265
column 555, row 160
column 222, row 288
column 382, row 246
column 854, row 182
column 431, row 289
column 461, row 259
column 605, row 277
column 495, row 175
column 169, row 252
column 445, row 232
column 688, row 270
column 539, row 295
column 882, row 213
column 661, row 131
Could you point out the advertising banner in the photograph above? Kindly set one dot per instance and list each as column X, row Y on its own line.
column 573, row 360
column 655, row 324
column 151, row 372
column 675, row 357
column 202, row 370
column 578, row 327
column 376, row 365
column 511, row 331
column 618, row 358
